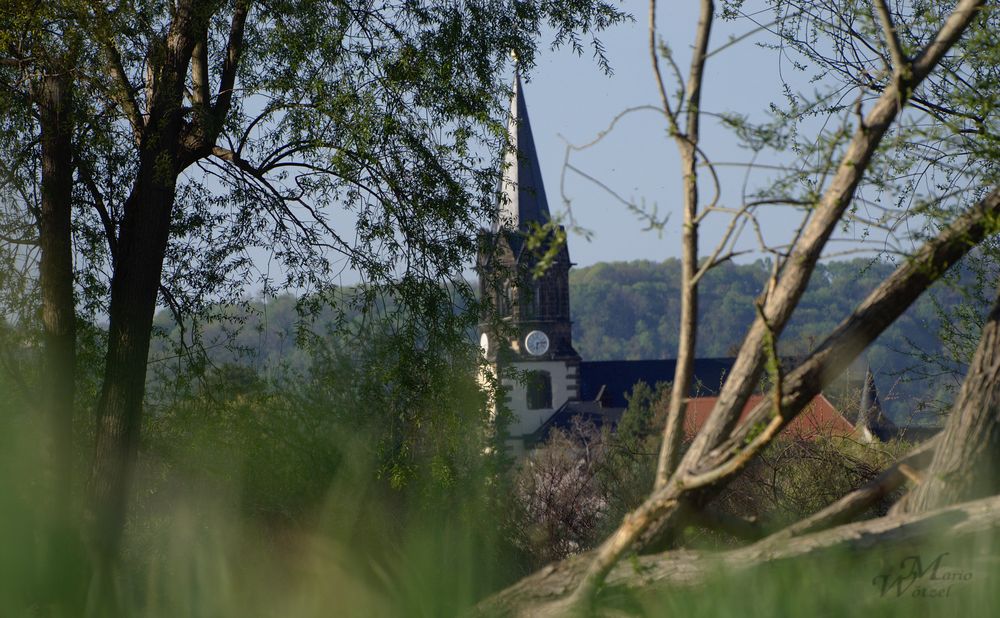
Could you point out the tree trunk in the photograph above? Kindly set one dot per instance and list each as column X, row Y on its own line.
column 134, row 286
column 966, row 465
column 687, row 335
column 54, row 102
column 140, row 247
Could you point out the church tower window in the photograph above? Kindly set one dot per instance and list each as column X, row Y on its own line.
column 539, row 386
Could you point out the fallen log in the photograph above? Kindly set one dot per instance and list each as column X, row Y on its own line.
column 544, row 593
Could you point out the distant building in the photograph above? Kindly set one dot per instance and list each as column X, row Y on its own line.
column 535, row 337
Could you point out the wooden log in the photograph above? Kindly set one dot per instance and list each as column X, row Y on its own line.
column 544, row 593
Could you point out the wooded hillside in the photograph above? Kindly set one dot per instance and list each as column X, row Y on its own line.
column 629, row 310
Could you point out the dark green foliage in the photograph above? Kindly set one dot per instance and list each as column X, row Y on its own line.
column 628, row 471
column 645, row 413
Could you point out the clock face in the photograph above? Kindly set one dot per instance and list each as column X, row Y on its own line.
column 536, row 343
column 484, row 343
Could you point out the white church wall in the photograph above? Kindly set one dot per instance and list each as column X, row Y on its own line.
column 564, row 386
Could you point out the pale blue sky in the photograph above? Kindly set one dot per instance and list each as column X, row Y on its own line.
column 569, row 98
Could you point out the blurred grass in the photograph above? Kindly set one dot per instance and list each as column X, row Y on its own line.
column 229, row 518
column 204, row 540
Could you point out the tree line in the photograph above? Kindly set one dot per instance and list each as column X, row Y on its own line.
column 630, row 311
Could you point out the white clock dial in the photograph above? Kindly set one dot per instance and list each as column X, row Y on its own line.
column 484, row 343
column 536, row 343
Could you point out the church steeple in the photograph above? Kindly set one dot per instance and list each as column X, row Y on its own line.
column 532, row 302
column 522, row 191
column 527, row 297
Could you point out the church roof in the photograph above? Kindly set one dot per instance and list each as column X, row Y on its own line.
column 522, row 193
column 586, row 411
column 616, row 378
column 819, row 419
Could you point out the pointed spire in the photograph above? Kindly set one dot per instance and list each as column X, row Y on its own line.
column 873, row 424
column 522, row 193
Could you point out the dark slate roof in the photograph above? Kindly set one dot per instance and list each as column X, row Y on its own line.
column 618, row 377
column 587, row 411
column 522, row 193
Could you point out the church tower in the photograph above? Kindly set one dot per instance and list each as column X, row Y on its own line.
column 535, row 333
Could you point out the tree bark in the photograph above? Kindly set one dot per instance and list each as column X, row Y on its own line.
column 141, row 246
column 542, row 593
column 54, row 100
column 967, row 464
column 168, row 144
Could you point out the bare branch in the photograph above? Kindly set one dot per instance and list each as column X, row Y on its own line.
column 841, row 347
column 822, row 221
column 628, row 203
column 110, row 234
column 738, row 39
column 655, row 59
column 698, row 58
column 867, row 321
column 611, row 126
column 900, row 66
column 230, row 64
column 688, row 147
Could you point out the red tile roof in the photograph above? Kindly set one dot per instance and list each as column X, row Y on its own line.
column 820, row 418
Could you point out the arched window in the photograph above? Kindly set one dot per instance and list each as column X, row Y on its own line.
column 539, row 386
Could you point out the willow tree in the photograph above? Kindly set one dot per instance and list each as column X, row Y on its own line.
column 331, row 135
